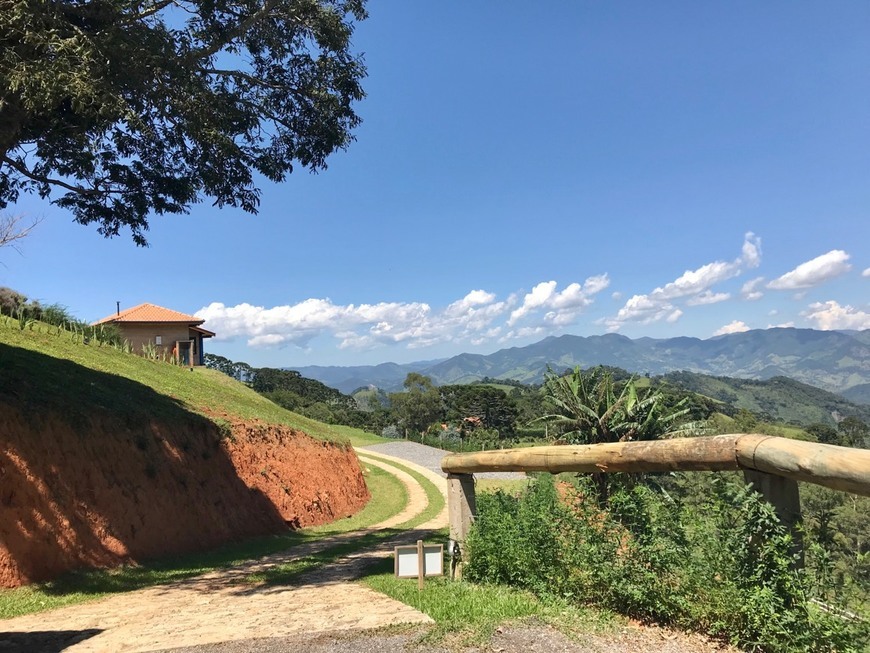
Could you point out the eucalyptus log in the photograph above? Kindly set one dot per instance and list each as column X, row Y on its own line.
column 840, row 468
column 713, row 453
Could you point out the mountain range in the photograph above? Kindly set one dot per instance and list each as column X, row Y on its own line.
column 838, row 361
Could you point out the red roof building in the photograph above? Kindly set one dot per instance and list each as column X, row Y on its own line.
column 171, row 332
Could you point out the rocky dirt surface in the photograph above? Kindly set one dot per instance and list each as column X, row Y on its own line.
column 515, row 638
column 428, row 457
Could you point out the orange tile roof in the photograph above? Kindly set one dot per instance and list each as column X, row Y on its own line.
column 150, row 313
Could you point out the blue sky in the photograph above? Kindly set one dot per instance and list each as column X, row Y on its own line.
column 655, row 169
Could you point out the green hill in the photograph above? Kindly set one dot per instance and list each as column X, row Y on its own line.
column 34, row 371
column 778, row 399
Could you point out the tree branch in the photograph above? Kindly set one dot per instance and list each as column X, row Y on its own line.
column 11, row 229
column 15, row 165
column 241, row 28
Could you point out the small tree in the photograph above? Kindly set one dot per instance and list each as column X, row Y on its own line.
column 591, row 408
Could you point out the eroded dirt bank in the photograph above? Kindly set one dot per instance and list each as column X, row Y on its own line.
column 105, row 492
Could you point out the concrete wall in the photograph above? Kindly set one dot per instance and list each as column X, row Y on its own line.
column 143, row 334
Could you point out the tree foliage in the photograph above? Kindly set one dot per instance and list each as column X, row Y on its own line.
column 592, row 407
column 419, row 406
column 131, row 107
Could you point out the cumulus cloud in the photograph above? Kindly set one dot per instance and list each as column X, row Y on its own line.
column 732, row 327
column 476, row 318
column 814, row 272
column 866, row 273
column 830, row 315
column 750, row 291
column 559, row 307
column 692, row 284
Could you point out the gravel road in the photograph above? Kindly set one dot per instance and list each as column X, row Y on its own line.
column 428, row 457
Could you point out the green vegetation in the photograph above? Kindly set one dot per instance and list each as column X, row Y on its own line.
column 779, row 399
column 60, row 368
column 468, row 613
column 287, row 574
column 706, row 555
column 434, row 498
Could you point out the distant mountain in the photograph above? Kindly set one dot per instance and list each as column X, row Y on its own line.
column 388, row 376
column 859, row 394
column 831, row 360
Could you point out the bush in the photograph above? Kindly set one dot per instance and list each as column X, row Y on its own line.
column 391, row 431
column 717, row 561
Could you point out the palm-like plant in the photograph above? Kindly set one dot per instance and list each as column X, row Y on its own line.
column 592, row 407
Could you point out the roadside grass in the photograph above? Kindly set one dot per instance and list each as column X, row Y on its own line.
column 45, row 358
column 288, row 573
column 467, row 614
column 360, row 438
column 388, row 494
column 511, row 486
column 434, row 497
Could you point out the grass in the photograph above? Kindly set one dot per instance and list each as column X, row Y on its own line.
column 288, row 573
column 510, row 486
column 468, row 614
column 362, row 438
column 434, row 497
column 388, row 498
column 73, row 378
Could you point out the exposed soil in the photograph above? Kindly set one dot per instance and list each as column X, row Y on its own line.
column 105, row 492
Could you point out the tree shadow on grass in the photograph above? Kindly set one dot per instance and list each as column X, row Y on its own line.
column 100, row 470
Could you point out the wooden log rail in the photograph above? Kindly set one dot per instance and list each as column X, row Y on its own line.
column 773, row 465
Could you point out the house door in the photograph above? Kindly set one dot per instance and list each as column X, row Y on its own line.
column 185, row 352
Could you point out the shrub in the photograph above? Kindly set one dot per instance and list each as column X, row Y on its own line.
column 391, row 431
column 717, row 560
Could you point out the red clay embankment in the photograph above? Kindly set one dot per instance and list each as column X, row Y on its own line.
column 105, row 492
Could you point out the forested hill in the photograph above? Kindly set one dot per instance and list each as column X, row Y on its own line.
column 835, row 361
column 779, row 399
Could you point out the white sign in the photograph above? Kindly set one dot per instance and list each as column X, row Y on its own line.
column 408, row 559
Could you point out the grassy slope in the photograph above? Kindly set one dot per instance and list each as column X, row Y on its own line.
column 40, row 358
column 785, row 400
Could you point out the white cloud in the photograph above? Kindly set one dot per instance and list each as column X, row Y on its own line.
column 562, row 307
column 476, row 318
column 830, row 315
column 708, row 297
column 694, row 284
column 866, row 273
column 784, row 325
column 732, row 327
column 814, row 272
column 750, row 291
column 674, row 316
column 618, row 295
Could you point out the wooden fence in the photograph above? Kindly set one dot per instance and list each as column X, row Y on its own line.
column 773, row 465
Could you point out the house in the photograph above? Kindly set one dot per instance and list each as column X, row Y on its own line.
column 168, row 331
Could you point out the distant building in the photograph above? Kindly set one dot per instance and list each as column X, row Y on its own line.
column 167, row 330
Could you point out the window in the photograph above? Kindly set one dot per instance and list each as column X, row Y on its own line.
column 158, row 340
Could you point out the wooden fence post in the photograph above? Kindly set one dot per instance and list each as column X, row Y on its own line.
column 461, row 510
column 784, row 495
